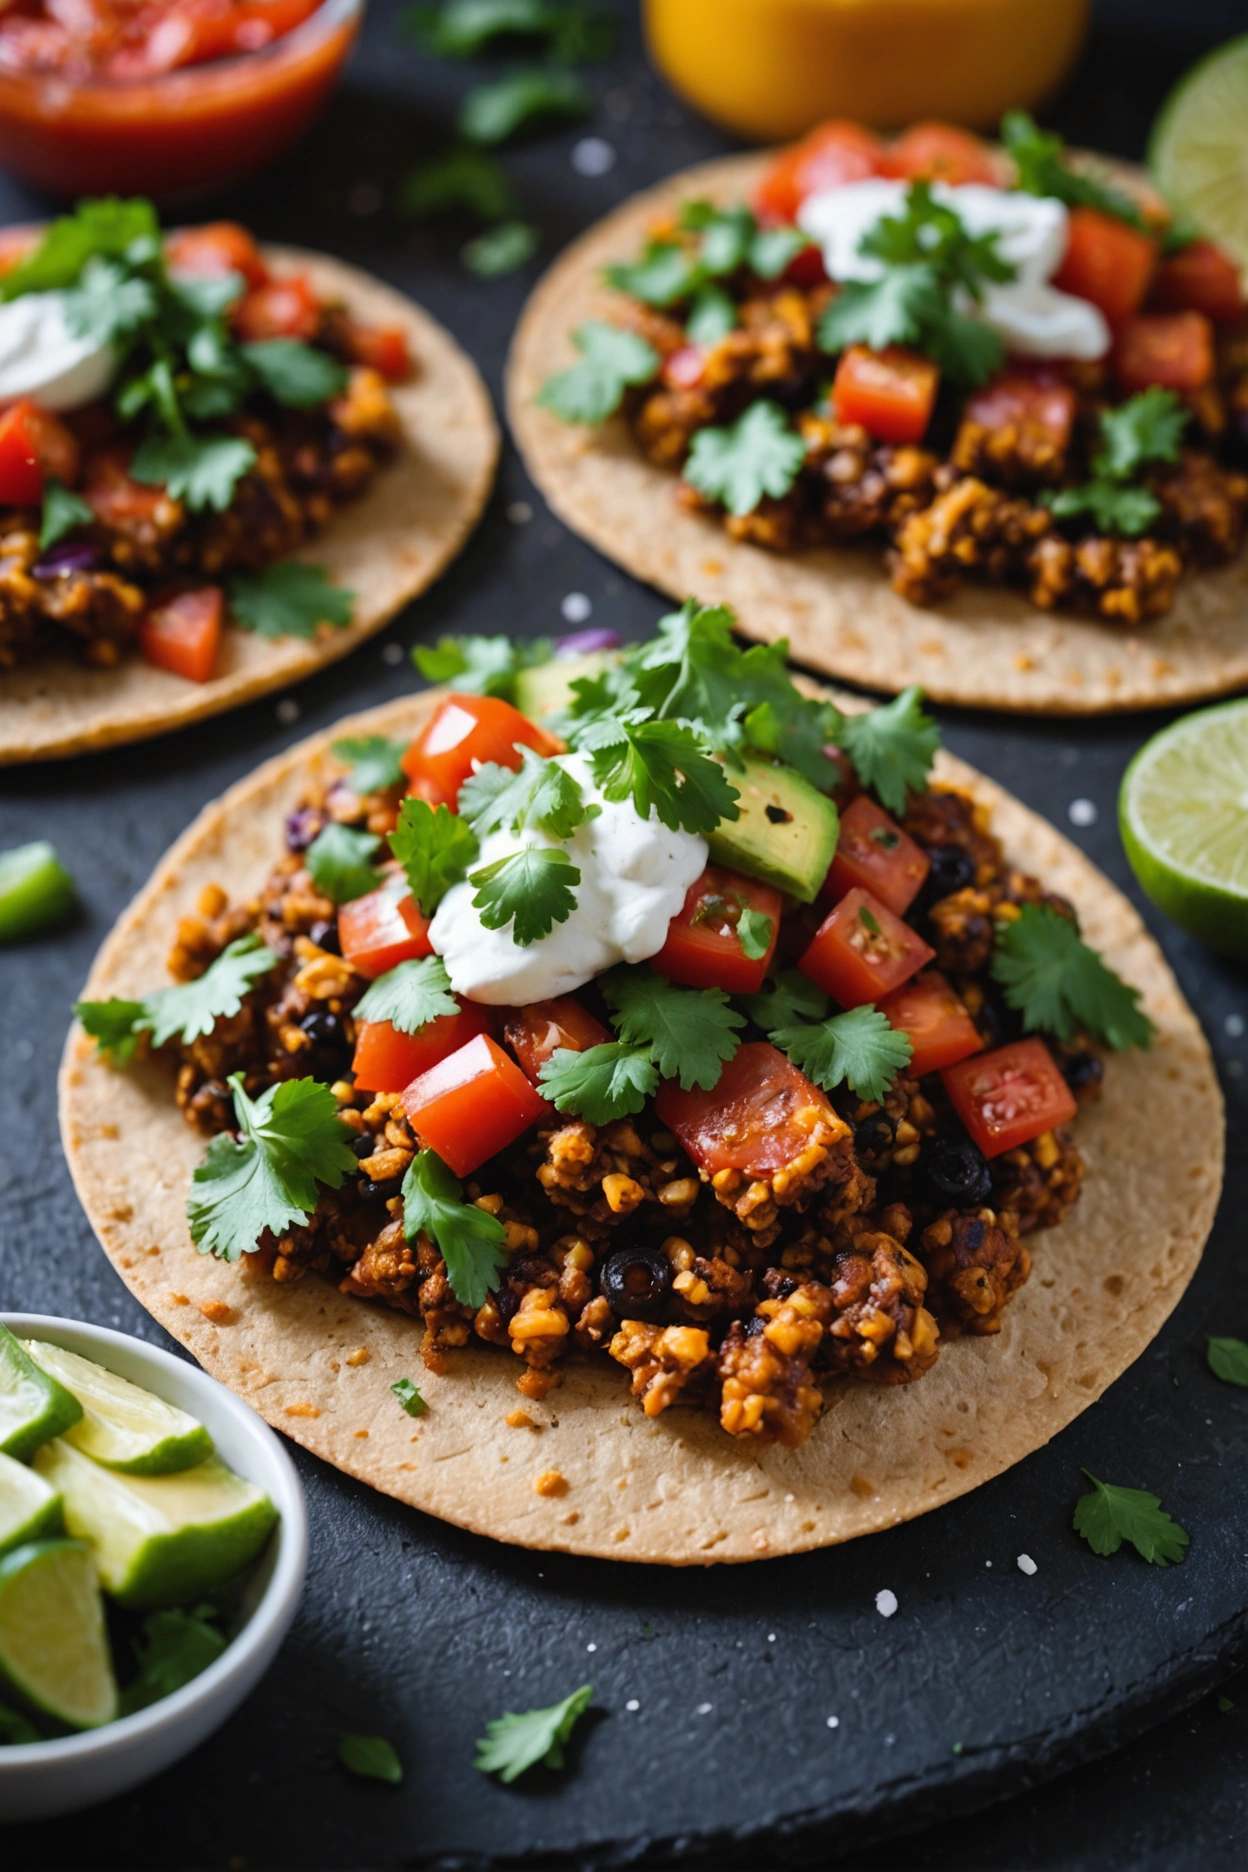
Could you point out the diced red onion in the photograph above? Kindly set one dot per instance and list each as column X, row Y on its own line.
column 67, row 556
column 585, row 642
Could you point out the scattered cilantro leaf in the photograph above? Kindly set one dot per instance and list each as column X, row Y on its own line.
column 409, row 996
column 602, row 1083
column 435, row 848
column 175, row 1646
column 409, row 1397
column 465, row 180
column 1111, row 507
column 755, row 930
column 108, row 303
column 1225, row 1706
column 512, row 1743
column 292, row 1139
column 203, row 471
column 464, row 28
column 372, row 762
column 469, row 1240
column 892, row 748
column 1228, row 1360
column 115, row 1025
column 1146, row 428
column 737, row 465
column 481, row 665
column 339, row 862
column 857, row 1048
column 371, row 1758
column 288, row 599
column 666, row 272
column 1061, row 986
column 187, row 1009
column 491, row 113
column 1110, row 1515
column 1041, row 167
column 107, row 226
column 662, row 767
column 789, row 998
column 63, row 510
column 711, row 316
column 542, row 794
column 611, row 359
column 501, row 249
column 297, row 375
column 531, row 889
column 690, row 1032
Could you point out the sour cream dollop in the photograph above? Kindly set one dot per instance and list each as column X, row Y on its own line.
column 634, row 877
column 40, row 357
column 1033, row 317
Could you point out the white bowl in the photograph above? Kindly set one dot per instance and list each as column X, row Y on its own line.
column 43, row 1778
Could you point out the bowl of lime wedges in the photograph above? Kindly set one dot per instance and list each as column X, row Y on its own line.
column 153, row 1545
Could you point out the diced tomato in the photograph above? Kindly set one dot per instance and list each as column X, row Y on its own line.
column 872, row 850
column 378, row 931
column 464, row 732
column 544, row 1028
column 940, row 152
column 684, row 369
column 1039, row 398
column 472, row 1104
column 862, row 951
column 217, row 247
column 826, row 157
column 116, row 500
column 703, row 947
column 757, row 1119
column 1199, row 278
column 1009, row 1096
column 890, row 392
column 1173, row 349
column 285, row 308
column 33, row 444
column 939, row 1028
column 384, row 347
column 184, row 634
column 387, row 1060
column 1107, row 262
column 806, row 268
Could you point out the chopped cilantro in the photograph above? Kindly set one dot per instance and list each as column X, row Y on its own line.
column 857, row 1048
column 339, row 862
column 790, row 997
column 1041, row 167
column 466, row 180
column 292, row 1139
column 371, row 1758
column 469, row 1239
column 928, row 233
column 1147, row 428
column 115, row 1025
column 63, row 510
column 481, row 665
column 188, row 1009
column 601, row 1084
column 663, row 767
column 1110, row 1515
column 1228, row 1360
column 491, row 113
column 690, row 1032
column 870, row 922
column 711, row 316
column 666, row 272
column 892, row 747
column 372, row 762
column 754, row 932
column 463, row 28
column 1111, row 507
column 512, row 1743
column 611, row 359
column 295, row 374
column 501, row 249
column 109, row 227
column 541, row 794
column 203, row 471
column 409, row 995
column 758, row 454
column 530, row 889
column 288, row 599
column 727, row 240
column 409, row 1397
column 1061, row 986
column 175, row 1646
column 435, row 848
column 108, row 303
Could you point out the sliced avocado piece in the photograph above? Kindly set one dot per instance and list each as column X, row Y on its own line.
column 33, row 1406
column 159, row 1540
column 30, row 1508
column 546, row 690
column 786, row 834
column 122, row 1426
column 53, row 1641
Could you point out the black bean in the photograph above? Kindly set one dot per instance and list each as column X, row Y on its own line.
column 635, row 1282
column 1083, row 1072
column 379, row 1192
column 952, row 870
column 874, row 1135
column 363, row 1145
column 953, row 1171
column 323, row 1028
column 325, row 936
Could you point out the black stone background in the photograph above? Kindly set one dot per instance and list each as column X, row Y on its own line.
column 422, row 1633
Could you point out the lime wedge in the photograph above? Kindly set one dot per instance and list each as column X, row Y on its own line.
column 35, row 890
column 29, row 1506
column 159, row 1540
column 33, row 1407
column 1198, row 151
column 53, row 1647
column 122, row 1425
column 1183, row 812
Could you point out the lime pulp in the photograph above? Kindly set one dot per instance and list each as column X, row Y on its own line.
column 53, row 1644
column 1198, row 151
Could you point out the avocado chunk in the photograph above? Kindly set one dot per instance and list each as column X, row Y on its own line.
column 546, row 690
column 33, row 1406
column 786, row 834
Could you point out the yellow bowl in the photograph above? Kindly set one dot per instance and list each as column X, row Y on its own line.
column 772, row 68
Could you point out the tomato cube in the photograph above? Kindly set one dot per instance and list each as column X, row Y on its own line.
column 21, row 472
column 384, row 347
column 1199, row 278
column 1040, row 399
column 890, row 392
column 378, row 931
column 704, row 948
column 932, row 1016
column 1009, row 1096
column 941, row 152
column 184, row 634
column 114, row 497
column 544, row 1028
column 472, row 1105
column 387, row 1060
column 463, row 733
column 862, row 951
column 1107, row 262
column 215, row 248
column 1173, row 349
column 757, row 1119
column 285, row 308
column 873, row 851
column 830, row 155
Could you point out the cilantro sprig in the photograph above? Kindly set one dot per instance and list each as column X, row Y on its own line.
column 891, row 747
column 1110, row 1514
column 470, row 1240
column 611, row 360
column 409, row 995
column 738, row 464
column 288, row 599
column 340, row 862
column 1063, row 987
column 601, row 1084
column 435, row 848
column 529, row 890
column 1145, row 430
column 481, row 665
column 717, row 243
column 857, row 1048
column 512, row 1743
column 540, row 794
column 663, row 767
column 188, row 1010
column 1042, row 167
column 372, row 762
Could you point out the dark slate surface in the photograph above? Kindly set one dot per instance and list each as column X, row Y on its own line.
column 986, row 1682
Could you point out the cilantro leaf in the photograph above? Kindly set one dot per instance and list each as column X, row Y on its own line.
column 929, row 233
column 481, row 665
column 501, row 249
column 467, row 180
column 690, row 1032
column 469, row 1239
column 115, row 1025
column 772, row 249
column 203, row 471
column 175, row 1646
column 108, row 303
column 754, row 932
column 435, row 849
column 1110, row 1515
column 790, row 997
column 857, row 1048
column 1146, row 428
column 1061, row 986
column 292, row 1138
column 541, row 794
column 63, row 510
column 1041, row 167
column 758, row 454
column 711, row 316
column 662, row 767
column 295, row 374
column 188, row 1009
column 288, row 599
column 371, row 1758
column 1228, row 1360
column 491, row 113
column 531, row 889
column 372, row 762
column 513, row 1743
column 409, row 1397
column 1112, row 507
column 409, row 996
column 666, row 272
column 463, row 28
column 895, row 309
column 106, row 226
column 339, row 862
column 611, row 359
column 892, row 747
column 602, row 1083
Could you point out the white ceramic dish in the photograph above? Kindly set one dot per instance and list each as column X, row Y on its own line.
column 43, row 1778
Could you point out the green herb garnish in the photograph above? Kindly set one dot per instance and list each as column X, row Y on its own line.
column 1063, row 987
column 188, row 1010
column 1110, row 1515
column 513, row 1743
column 470, row 1240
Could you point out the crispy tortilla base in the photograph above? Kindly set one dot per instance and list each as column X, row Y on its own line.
column 987, row 648
column 674, row 1490
column 386, row 547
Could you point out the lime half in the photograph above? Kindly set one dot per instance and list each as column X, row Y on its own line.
column 1198, row 151
column 1183, row 812
column 53, row 1645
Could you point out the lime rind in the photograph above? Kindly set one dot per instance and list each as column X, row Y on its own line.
column 34, row 1408
column 1198, row 151
column 53, row 1643
column 122, row 1425
column 30, row 1508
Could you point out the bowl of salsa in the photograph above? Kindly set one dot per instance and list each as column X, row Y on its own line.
column 162, row 97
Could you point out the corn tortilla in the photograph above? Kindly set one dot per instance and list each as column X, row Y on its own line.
column 674, row 1490
column 386, row 546
column 988, row 647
